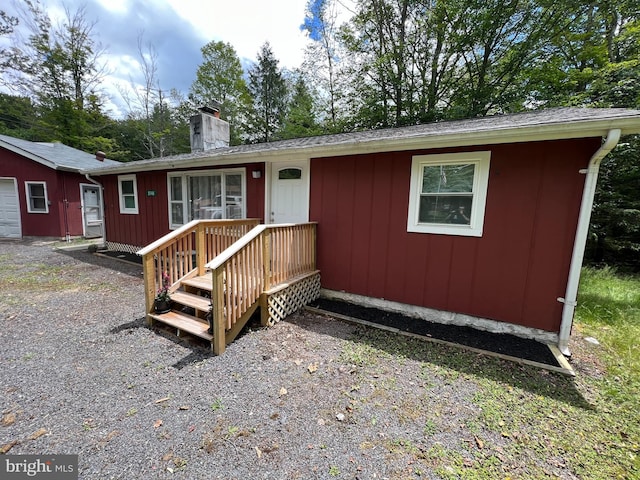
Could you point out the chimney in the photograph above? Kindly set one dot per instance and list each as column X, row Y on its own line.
column 208, row 131
column 100, row 156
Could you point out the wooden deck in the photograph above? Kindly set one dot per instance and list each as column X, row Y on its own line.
column 222, row 272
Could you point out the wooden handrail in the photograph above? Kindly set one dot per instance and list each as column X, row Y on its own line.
column 246, row 260
column 162, row 241
column 173, row 253
column 262, row 258
column 236, row 247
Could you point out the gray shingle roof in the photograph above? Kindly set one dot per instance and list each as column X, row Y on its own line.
column 530, row 126
column 55, row 155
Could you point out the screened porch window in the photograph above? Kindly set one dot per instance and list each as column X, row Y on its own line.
column 448, row 193
column 206, row 195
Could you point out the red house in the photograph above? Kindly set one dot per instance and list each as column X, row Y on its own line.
column 43, row 193
column 477, row 222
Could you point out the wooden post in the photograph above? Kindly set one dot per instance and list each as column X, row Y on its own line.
column 314, row 228
column 217, row 299
column 266, row 277
column 200, row 248
column 266, row 259
column 148, row 269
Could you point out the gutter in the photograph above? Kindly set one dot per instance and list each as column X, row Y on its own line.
column 571, row 295
column 380, row 141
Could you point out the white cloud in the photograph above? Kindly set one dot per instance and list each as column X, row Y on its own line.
column 248, row 24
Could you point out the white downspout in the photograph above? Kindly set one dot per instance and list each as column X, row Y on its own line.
column 571, row 295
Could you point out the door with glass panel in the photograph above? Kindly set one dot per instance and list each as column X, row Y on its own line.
column 91, row 211
column 206, row 196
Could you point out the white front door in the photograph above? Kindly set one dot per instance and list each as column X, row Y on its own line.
column 9, row 209
column 289, row 192
column 91, row 211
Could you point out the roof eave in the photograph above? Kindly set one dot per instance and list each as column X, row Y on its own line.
column 29, row 155
column 518, row 134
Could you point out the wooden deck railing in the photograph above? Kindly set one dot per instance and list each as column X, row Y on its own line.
column 184, row 252
column 265, row 257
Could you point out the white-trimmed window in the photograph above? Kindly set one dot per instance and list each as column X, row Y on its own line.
column 211, row 194
column 128, row 193
column 448, row 193
column 37, row 201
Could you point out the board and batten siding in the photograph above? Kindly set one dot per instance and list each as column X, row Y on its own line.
column 63, row 195
column 152, row 220
column 514, row 273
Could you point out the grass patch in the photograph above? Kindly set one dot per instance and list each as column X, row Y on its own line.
column 609, row 310
column 591, row 425
column 530, row 423
column 37, row 277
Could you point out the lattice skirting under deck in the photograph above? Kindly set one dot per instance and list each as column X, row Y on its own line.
column 122, row 247
column 286, row 301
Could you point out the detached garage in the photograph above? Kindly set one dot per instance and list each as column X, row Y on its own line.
column 43, row 193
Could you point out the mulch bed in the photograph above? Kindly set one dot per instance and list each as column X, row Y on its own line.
column 500, row 343
column 122, row 256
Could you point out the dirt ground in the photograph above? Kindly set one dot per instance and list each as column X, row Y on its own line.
column 310, row 397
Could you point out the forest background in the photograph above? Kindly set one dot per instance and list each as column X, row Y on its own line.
column 392, row 63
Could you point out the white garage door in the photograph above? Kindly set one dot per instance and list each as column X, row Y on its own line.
column 9, row 209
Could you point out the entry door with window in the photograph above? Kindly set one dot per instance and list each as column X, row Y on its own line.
column 289, row 192
column 92, row 219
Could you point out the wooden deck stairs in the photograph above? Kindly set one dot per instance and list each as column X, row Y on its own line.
column 190, row 306
column 217, row 284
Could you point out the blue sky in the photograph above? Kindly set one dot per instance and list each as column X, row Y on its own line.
column 179, row 28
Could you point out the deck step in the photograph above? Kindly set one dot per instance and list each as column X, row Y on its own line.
column 191, row 300
column 184, row 323
column 204, row 282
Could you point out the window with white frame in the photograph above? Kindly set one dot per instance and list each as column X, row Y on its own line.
column 448, row 193
column 213, row 194
column 128, row 192
column 37, row 201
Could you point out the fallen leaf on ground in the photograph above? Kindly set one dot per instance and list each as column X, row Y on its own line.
column 479, row 443
column 258, row 452
column 111, row 435
column 283, row 391
column 5, row 448
column 167, row 456
column 37, row 434
column 157, row 423
column 184, row 407
column 313, row 367
column 9, row 419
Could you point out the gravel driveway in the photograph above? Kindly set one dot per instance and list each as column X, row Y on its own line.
column 308, row 398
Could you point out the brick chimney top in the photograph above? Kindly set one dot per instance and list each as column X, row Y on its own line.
column 212, row 110
column 100, row 156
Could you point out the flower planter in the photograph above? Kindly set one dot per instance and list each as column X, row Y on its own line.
column 162, row 306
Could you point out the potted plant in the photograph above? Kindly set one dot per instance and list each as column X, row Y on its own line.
column 209, row 318
column 162, row 302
